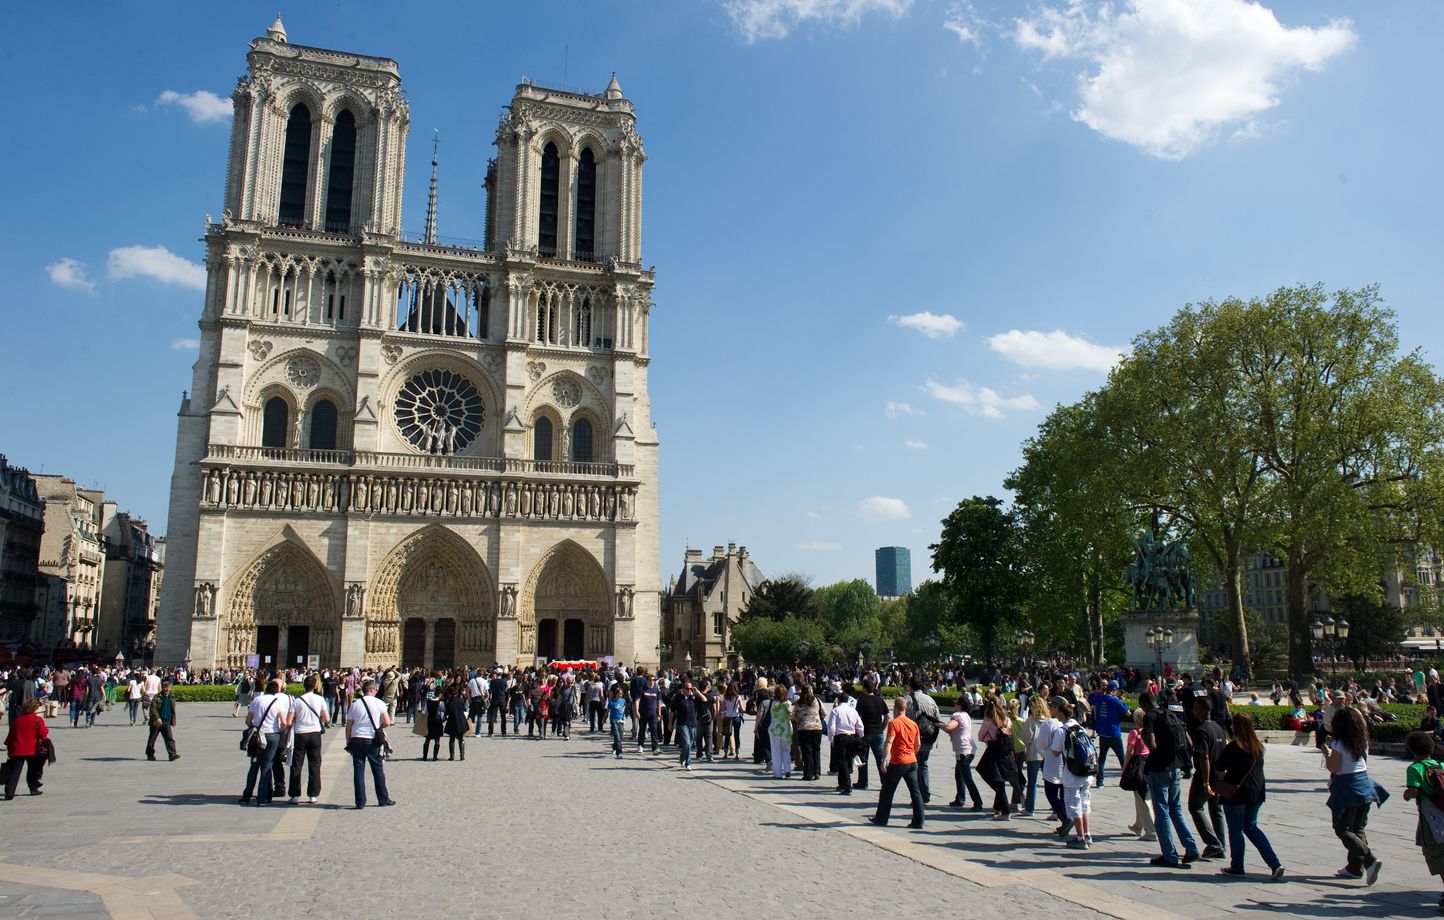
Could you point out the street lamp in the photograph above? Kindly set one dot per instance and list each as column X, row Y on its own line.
column 1025, row 640
column 1333, row 633
column 1159, row 639
column 933, row 642
column 689, row 661
column 863, row 648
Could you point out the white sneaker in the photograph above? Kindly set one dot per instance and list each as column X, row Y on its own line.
column 295, row 800
column 311, row 800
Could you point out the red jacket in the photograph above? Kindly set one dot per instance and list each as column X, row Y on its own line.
column 25, row 733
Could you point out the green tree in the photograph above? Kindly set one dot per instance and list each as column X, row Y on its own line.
column 782, row 642
column 980, row 556
column 1375, row 629
column 851, row 612
column 788, row 595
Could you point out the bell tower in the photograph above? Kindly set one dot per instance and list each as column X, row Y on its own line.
column 318, row 141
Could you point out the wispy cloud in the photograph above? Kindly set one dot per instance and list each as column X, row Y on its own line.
column 185, row 344
column 880, row 508
column 155, row 262
column 979, row 400
column 1056, row 350
column 818, row 547
column 963, row 20
column 761, row 19
column 894, row 409
column 932, row 325
column 70, row 273
column 915, row 445
column 1168, row 75
column 203, row 107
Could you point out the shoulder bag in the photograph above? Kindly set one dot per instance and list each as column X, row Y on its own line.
column 253, row 740
column 1227, row 790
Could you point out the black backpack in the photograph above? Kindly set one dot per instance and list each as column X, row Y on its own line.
column 927, row 725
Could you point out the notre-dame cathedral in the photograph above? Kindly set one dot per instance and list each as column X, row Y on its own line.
column 399, row 449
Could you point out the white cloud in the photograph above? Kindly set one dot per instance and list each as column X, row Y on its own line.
column 929, row 324
column 813, row 516
column 820, row 547
column 1056, row 350
column 879, row 508
column 1168, row 75
column 70, row 273
column 185, row 344
column 915, row 445
column 759, row 19
column 894, row 409
column 979, row 400
column 962, row 20
column 155, row 262
column 203, row 106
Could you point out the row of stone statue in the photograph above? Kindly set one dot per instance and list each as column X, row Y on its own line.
column 269, row 490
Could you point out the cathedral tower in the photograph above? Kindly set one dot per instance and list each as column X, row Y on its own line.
column 399, row 448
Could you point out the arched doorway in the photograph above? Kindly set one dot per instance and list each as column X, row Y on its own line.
column 435, row 584
column 282, row 609
column 568, row 601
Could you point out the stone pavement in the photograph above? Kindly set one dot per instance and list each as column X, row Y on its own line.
column 561, row 827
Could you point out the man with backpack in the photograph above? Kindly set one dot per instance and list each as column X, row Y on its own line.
column 1080, row 763
column 1168, row 751
column 1203, row 802
column 923, row 710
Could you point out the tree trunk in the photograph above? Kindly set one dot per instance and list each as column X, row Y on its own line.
column 1233, row 582
column 1301, row 649
column 1095, row 618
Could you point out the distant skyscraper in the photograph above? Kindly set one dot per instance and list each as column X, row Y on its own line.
column 894, row 571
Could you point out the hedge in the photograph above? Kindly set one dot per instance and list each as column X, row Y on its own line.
column 215, row 693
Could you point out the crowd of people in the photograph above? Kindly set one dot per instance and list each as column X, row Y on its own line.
column 1190, row 759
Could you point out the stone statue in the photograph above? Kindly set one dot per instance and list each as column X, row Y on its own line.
column 1159, row 573
column 508, row 601
column 355, row 599
column 205, row 607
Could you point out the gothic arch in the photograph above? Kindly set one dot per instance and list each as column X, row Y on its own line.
column 567, row 583
column 312, row 370
column 432, row 575
column 283, row 586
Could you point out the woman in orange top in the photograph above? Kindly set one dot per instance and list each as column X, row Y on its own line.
column 23, row 743
column 900, row 765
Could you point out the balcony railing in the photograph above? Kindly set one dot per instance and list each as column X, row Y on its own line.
column 370, row 459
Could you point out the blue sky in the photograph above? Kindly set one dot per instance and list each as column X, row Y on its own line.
column 889, row 234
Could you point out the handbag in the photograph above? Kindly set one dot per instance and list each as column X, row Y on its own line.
column 254, row 743
column 1227, row 790
column 1132, row 779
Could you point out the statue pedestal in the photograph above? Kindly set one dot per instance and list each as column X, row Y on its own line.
column 1182, row 655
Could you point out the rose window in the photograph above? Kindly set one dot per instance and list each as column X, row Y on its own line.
column 439, row 412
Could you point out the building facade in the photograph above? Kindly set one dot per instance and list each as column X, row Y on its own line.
column 72, row 564
column 701, row 605
column 22, row 524
column 404, row 450
column 133, row 563
column 894, row 571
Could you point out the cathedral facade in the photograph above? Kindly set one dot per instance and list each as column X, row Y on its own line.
column 399, row 450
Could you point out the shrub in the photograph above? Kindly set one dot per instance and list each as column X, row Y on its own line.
column 215, row 693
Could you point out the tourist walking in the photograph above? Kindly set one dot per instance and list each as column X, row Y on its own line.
column 807, row 723
column 873, row 709
column 476, row 697
column 496, row 690
column 959, row 729
column 844, row 734
column 899, row 764
column 1033, row 745
column 430, row 725
column 1421, row 781
column 648, row 707
column 1167, row 742
column 455, row 708
column 132, row 697
column 366, row 723
column 1351, row 792
column 1080, row 767
column 1136, row 751
column 268, row 718
column 1203, row 804
column 617, row 707
column 25, row 743
column 778, row 719
column 311, row 718
column 244, row 694
column 683, row 704
column 160, row 716
column 923, row 710
column 1108, row 712
column 996, row 766
column 732, row 708
column 1239, row 782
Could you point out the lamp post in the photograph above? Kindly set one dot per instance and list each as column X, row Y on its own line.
column 689, row 661
column 1025, row 640
column 933, row 642
column 1159, row 639
column 1333, row 633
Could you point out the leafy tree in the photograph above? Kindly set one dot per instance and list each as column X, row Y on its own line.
column 1375, row 628
column 1268, row 643
column 980, row 555
column 781, row 597
column 782, row 642
column 849, row 606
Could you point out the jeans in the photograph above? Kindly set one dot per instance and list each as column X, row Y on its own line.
column 359, row 759
column 306, row 750
column 704, row 739
column 1243, row 822
column 1035, row 767
column 1206, row 813
column 75, row 706
column 261, row 768
column 873, row 744
column 1053, row 792
column 733, row 731
column 1349, row 825
column 134, row 707
column 516, row 715
column 1166, row 789
column 618, row 726
column 494, row 711
column 963, row 780
column 686, row 739
column 1105, row 744
column 923, row 751
column 900, row 773
column 596, row 715
column 648, row 725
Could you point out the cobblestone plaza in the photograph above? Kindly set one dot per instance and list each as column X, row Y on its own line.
column 563, row 829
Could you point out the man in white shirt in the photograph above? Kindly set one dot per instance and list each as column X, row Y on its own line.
column 476, row 691
column 845, row 732
column 365, row 722
column 151, row 686
column 308, row 724
column 269, row 717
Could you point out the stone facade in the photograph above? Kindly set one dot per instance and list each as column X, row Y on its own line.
column 133, row 563
column 703, row 602
column 72, row 563
column 22, row 522
column 415, row 452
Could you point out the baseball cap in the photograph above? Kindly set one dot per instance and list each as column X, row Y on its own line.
column 1113, row 685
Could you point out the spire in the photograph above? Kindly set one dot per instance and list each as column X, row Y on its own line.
column 277, row 32
column 431, row 201
column 614, row 89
